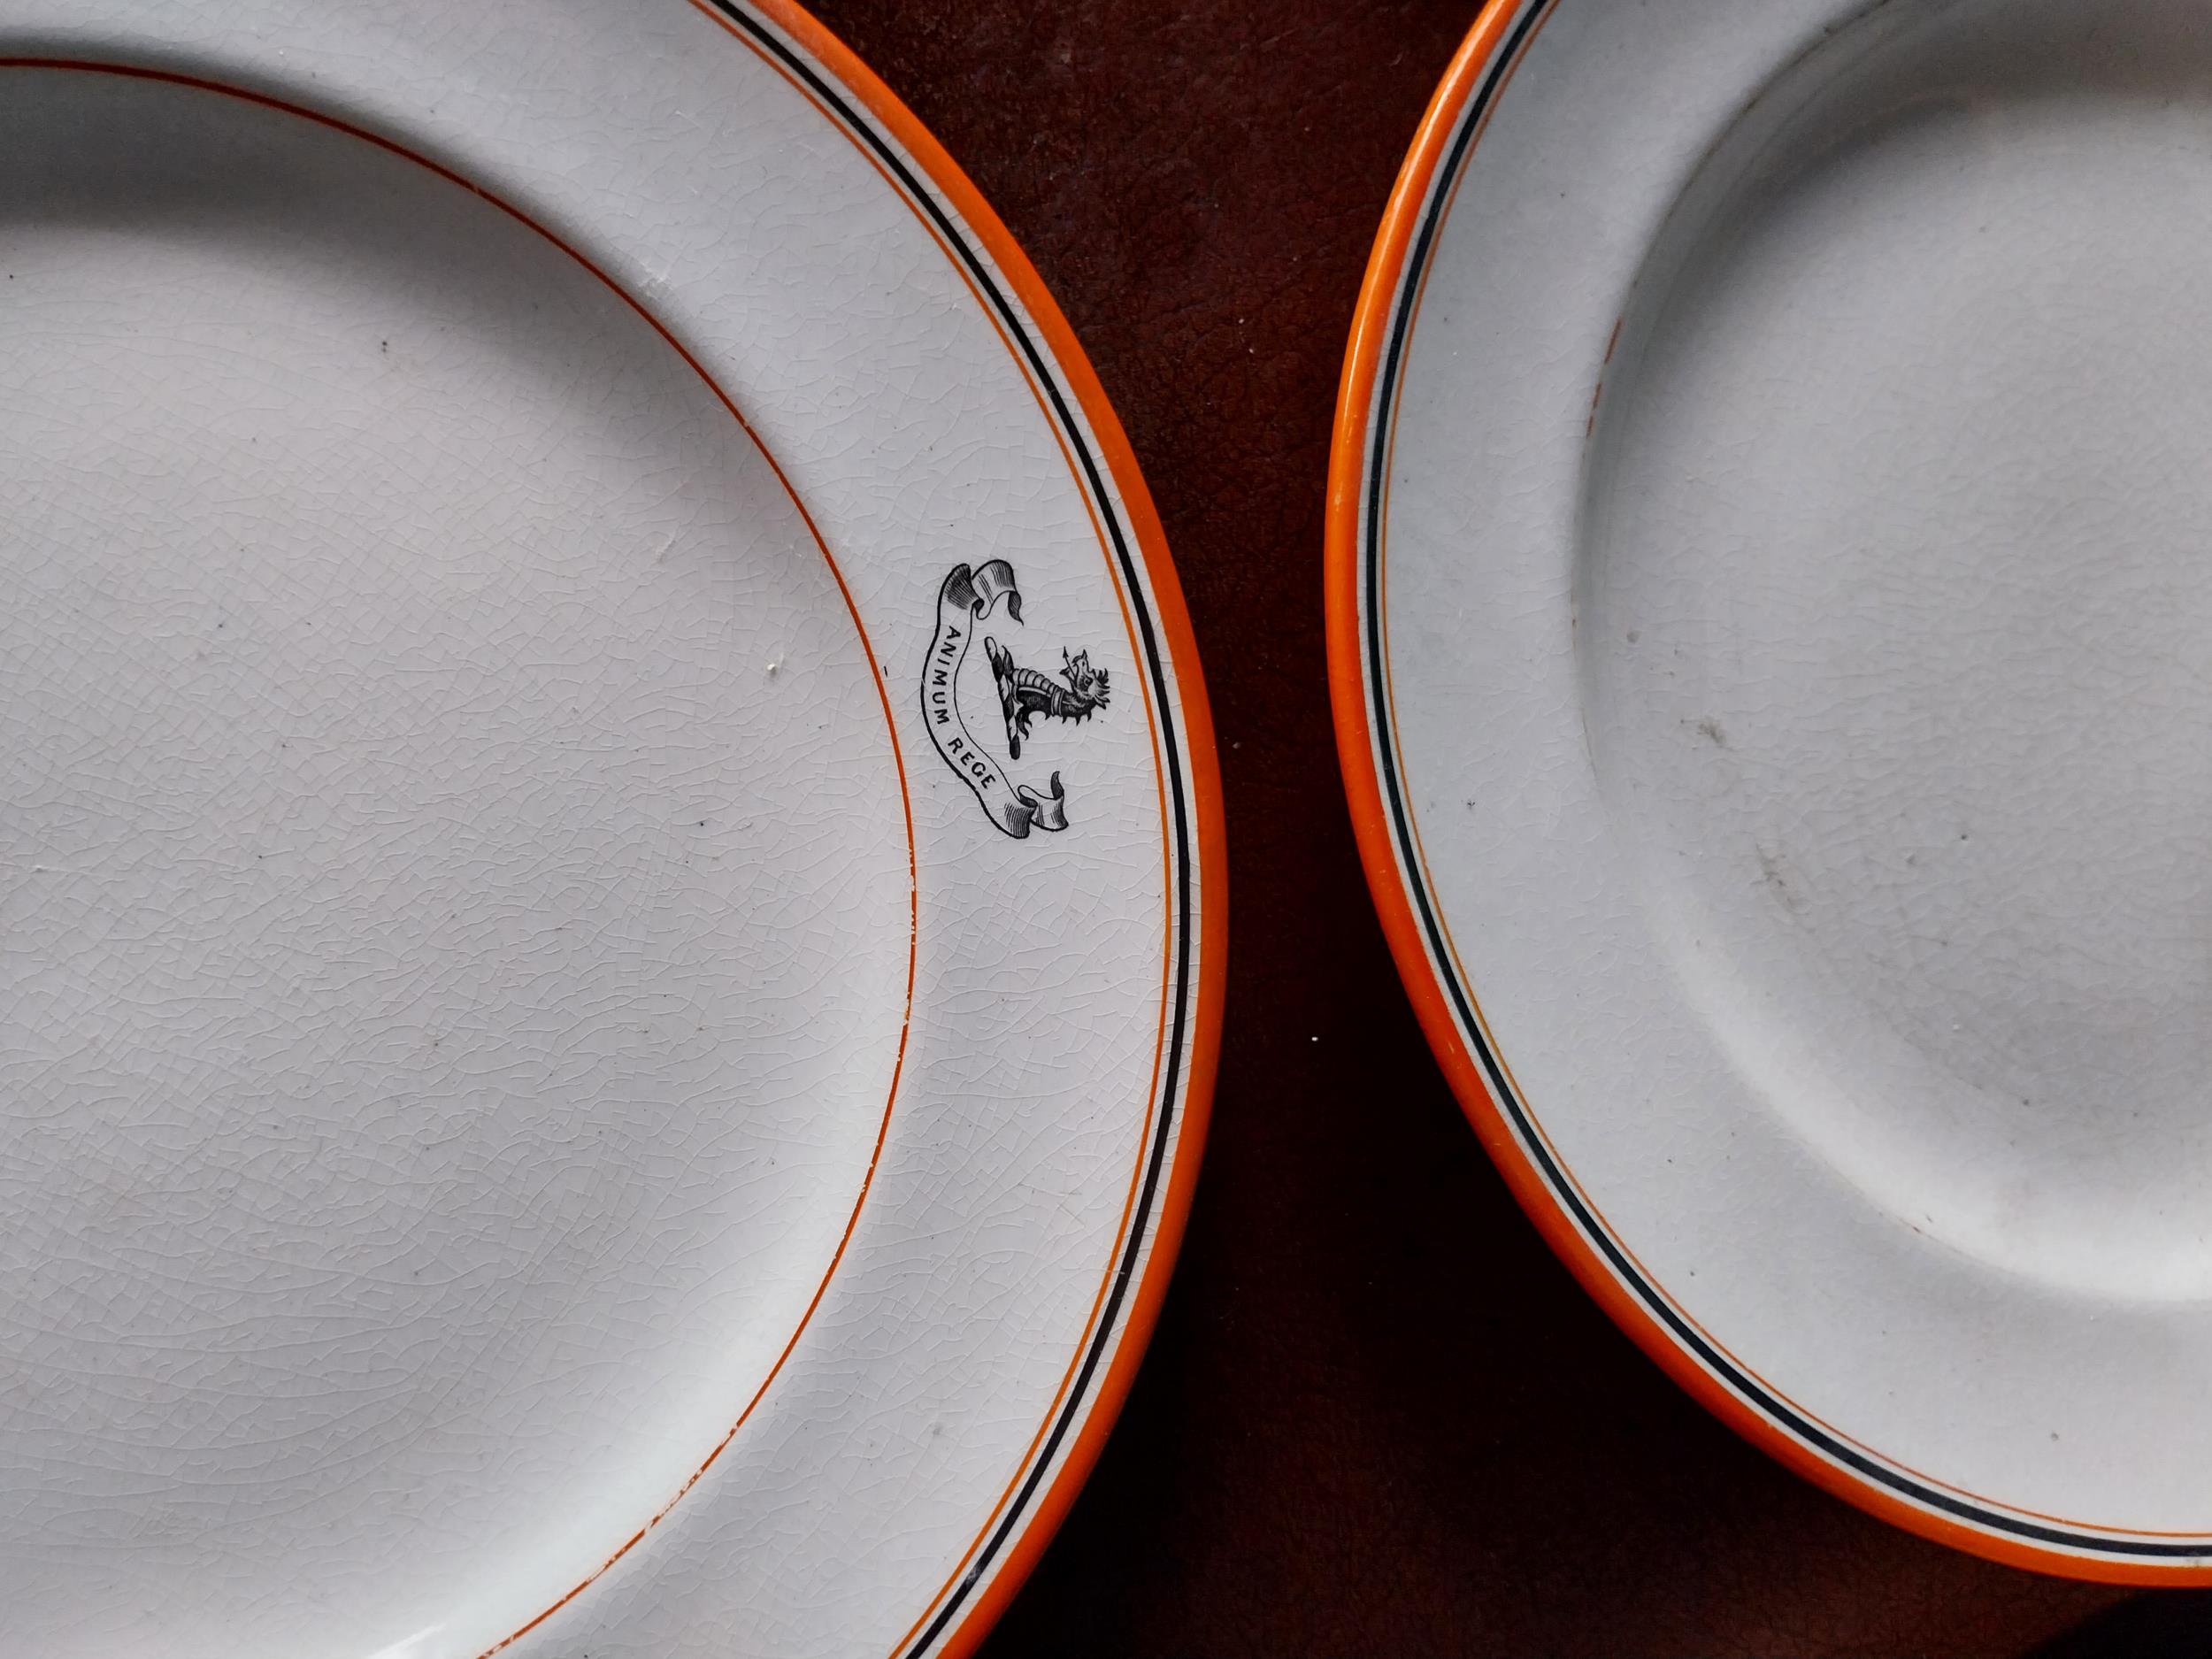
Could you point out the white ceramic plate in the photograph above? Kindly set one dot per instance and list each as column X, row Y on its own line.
column 566, row 1090
column 1769, row 621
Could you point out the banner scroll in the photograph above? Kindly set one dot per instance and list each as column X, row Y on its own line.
column 967, row 597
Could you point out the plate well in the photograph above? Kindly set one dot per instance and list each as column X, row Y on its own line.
column 457, row 906
column 1894, row 616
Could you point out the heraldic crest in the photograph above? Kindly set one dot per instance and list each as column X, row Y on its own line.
column 964, row 603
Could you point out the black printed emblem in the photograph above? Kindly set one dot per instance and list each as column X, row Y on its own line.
column 964, row 603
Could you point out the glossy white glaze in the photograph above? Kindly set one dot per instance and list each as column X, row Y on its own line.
column 458, row 886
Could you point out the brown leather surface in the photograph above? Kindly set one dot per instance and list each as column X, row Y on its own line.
column 1378, row 1418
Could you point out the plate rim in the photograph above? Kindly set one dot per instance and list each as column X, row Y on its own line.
column 1049, row 1506
column 1435, row 162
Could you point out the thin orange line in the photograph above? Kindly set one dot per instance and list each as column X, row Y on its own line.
column 1098, row 530
column 1128, row 1205
column 1363, row 784
column 875, row 669
column 1203, row 1050
column 1167, row 959
column 1397, row 397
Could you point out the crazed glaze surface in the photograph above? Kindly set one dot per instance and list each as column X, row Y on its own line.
column 497, row 988
column 1897, row 633
column 1803, row 491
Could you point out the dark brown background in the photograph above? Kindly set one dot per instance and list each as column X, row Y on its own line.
column 1377, row 1417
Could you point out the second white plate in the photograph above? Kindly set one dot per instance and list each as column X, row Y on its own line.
column 1768, row 627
